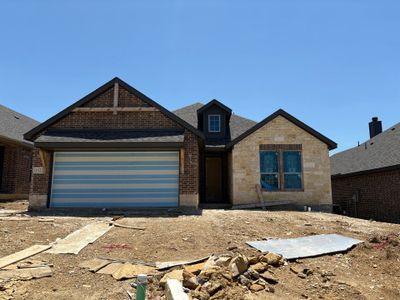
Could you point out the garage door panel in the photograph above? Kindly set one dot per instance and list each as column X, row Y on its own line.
column 96, row 179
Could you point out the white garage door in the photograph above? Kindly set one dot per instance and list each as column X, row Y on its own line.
column 115, row 179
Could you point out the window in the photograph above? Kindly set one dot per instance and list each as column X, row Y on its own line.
column 281, row 167
column 269, row 170
column 214, row 123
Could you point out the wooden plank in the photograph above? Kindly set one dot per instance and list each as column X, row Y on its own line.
column 112, row 109
column 127, row 226
column 28, row 252
column 110, row 269
column 25, row 274
column 94, row 264
column 44, row 158
column 265, row 204
column 170, row 264
column 127, row 271
column 260, row 196
column 80, row 238
column 115, row 102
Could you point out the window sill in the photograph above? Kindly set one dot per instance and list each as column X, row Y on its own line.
column 281, row 191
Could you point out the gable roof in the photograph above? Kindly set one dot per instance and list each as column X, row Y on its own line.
column 13, row 125
column 32, row 133
column 381, row 151
column 217, row 103
column 237, row 124
column 280, row 112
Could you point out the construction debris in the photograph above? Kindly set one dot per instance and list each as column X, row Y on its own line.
column 110, row 268
column 221, row 276
column 127, row 271
column 117, row 269
column 80, row 238
column 174, row 290
column 309, row 246
column 94, row 264
column 18, row 256
column 170, row 264
column 126, row 226
column 45, row 220
column 25, row 274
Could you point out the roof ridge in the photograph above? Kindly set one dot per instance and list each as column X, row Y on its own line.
column 373, row 139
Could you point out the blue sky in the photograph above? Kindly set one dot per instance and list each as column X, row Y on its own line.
column 332, row 64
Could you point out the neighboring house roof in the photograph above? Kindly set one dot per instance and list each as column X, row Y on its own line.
column 13, row 125
column 379, row 152
column 32, row 133
column 331, row 144
column 237, row 124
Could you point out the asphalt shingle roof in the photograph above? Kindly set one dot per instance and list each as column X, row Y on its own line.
column 13, row 125
column 381, row 151
column 107, row 136
column 237, row 124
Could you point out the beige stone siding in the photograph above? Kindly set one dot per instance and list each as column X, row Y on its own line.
column 245, row 165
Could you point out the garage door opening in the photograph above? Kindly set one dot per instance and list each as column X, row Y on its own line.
column 147, row 179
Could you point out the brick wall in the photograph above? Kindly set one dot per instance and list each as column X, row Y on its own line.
column 16, row 169
column 188, row 186
column 189, row 181
column 370, row 196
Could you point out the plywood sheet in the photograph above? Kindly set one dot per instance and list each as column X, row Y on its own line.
column 80, row 238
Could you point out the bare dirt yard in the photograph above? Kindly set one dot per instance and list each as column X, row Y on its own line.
column 371, row 270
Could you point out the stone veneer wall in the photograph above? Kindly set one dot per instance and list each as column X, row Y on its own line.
column 245, row 164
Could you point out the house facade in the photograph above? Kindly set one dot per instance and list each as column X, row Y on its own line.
column 366, row 178
column 117, row 148
column 15, row 154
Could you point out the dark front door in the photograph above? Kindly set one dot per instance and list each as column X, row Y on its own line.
column 1, row 165
column 214, row 182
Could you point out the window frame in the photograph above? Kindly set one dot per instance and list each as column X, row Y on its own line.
column 280, row 148
column 271, row 173
column 219, row 123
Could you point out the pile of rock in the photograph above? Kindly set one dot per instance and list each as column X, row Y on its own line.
column 226, row 274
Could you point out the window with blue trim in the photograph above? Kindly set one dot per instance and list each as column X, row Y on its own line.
column 281, row 169
column 269, row 170
column 214, row 123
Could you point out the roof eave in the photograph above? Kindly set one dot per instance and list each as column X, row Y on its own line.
column 15, row 141
column 365, row 172
column 31, row 134
column 280, row 112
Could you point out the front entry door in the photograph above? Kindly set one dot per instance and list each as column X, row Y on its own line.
column 214, row 192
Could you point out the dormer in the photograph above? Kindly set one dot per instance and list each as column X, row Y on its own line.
column 213, row 120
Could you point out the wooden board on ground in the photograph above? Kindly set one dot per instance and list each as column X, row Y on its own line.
column 94, row 264
column 265, row 204
column 15, row 219
column 127, row 271
column 170, row 264
column 25, row 274
column 28, row 252
column 110, row 269
column 80, row 238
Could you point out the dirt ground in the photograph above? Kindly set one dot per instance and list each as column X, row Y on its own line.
column 369, row 271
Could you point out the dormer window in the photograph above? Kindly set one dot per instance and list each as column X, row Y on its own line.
column 214, row 123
